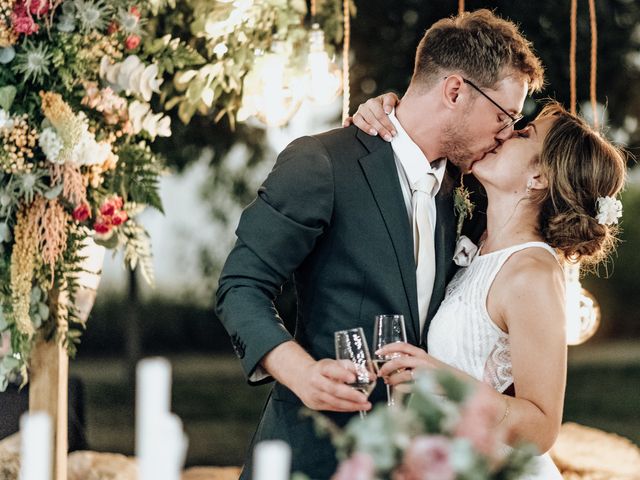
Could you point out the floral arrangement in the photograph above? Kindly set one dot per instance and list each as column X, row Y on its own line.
column 76, row 81
column 448, row 435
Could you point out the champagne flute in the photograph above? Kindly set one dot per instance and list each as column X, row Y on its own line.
column 388, row 329
column 351, row 346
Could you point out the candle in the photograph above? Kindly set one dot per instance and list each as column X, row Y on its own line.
column 153, row 400
column 36, row 439
column 167, row 449
column 271, row 460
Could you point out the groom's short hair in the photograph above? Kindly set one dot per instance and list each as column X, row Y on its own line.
column 481, row 46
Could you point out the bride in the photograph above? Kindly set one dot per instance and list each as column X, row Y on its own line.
column 551, row 191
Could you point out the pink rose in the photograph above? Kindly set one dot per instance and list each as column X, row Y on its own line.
column 132, row 42
column 477, row 421
column 108, row 208
column 119, row 218
column 427, row 458
column 118, row 202
column 82, row 212
column 102, row 226
column 23, row 24
column 359, row 466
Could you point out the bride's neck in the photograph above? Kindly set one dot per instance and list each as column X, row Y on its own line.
column 510, row 221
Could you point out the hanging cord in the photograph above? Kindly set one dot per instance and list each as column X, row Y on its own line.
column 594, row 60
column 460, row 7
column 572, row 55
column 345, row 61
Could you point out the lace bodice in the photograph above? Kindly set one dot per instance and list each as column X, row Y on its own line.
column 462, row 334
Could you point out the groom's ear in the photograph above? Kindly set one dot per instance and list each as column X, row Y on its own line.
column 451, row 90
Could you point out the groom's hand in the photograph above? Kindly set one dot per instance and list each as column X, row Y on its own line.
column 372, row 116
column 320, row 384
column 323, row 386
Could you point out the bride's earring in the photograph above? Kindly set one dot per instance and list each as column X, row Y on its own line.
column 529, row 187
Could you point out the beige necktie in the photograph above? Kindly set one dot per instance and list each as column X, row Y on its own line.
column 423, row 245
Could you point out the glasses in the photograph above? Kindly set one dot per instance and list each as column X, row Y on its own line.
column 513, row 119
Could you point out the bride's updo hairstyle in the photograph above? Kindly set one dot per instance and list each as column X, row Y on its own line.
column 580, row 166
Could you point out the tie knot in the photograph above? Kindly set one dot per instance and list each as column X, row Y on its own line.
column 425, row 184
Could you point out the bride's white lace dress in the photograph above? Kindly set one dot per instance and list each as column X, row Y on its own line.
column 463, row 335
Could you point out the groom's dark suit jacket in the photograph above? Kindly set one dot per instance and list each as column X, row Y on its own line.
column 331, row 214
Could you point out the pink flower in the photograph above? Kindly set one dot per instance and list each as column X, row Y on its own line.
column 427, row 458
column 112, row 28
column 132, row 42
column 5, row 345
column 118, row 202
column 359, row 466
column 135, row 12
column 102, row 226
column 39, row 7
column 108, row 208
column 477, row 422
column 119, row 218
column 82, row 212
column 23, row 24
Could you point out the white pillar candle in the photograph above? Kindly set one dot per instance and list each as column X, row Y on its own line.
column 165, row 455
column 271, row 460
column 36, row 440
column 153, row 401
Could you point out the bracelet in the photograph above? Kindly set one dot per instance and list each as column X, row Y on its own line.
column 506, row 411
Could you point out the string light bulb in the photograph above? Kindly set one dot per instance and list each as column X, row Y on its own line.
column 325, row 77
column 272, row 92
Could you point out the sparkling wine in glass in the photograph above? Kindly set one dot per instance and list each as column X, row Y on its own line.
column 351, row 347
column 388, row 329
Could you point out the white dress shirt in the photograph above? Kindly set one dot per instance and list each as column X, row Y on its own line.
column 412, row 165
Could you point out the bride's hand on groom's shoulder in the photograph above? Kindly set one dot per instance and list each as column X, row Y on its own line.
column 409, row 357
column 372, row 116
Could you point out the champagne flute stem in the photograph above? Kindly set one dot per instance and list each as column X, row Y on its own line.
column 362, row 413
column 390, row 401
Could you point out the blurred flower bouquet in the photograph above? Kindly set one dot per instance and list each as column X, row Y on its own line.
column 76, row 81
column 446, row 436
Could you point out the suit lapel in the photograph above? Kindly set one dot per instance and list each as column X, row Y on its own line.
column 445, row 242
column 379, row 168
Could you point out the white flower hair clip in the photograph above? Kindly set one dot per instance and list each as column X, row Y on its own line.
column 609, row 210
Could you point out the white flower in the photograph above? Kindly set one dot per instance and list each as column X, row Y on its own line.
column 51, row 144
column 137, row 112
column 465, row 251
column 131, row 75
column 142, row 118
column 609, row 210
column 5, row 232
column 89, row 152
column 5, row 120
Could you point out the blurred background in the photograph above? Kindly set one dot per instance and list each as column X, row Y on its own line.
column 213, row 171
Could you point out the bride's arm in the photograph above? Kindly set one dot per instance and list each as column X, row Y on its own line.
column 527, row 298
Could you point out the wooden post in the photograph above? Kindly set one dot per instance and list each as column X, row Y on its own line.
column 48, row 387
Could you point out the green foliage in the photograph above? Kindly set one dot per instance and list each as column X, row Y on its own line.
column 136, row 176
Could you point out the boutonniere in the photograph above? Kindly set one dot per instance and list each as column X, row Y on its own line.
column 462, row 205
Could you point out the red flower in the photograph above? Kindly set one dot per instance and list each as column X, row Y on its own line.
column 113, row 28
column 82, row 212
column 23, row 24
column 135, row 12
column 132, row 42
column 119, row 218
column 108, row 208
column 39, row 7
column 102, row 225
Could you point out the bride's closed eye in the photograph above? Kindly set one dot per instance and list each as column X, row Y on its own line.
column 523, row 133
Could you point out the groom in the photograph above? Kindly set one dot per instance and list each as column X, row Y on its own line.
column 338, row 214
